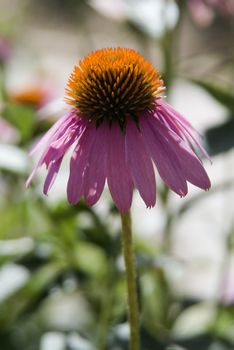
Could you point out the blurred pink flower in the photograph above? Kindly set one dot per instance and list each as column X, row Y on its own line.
column 8, row 133
column 5, row 49
column 121, row 126
column 228, row 283
column 203, row 11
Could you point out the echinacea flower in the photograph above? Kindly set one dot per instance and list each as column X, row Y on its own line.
column 121, row 126
column 34, row 95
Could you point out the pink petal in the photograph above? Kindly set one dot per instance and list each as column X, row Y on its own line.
column 58, row 148
column 54, row 159
column 181, row 126
column 31, row 176
column 95, row 175
column 45, row 154
column 140, row 164
column 192, row 167
column 61, row 141
column 164, row 155
column 118, row 174
column 79, row 163
column 52, row 174
column 177, row 116
column 51, row 132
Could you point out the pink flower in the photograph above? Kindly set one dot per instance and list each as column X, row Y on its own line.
column 203, row 11
column 8, row 133
column 121, row 127
column 5, row 49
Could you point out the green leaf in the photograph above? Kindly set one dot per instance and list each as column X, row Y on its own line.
column 220, row 138
column 91, row 259
column 23, row 218
column 194, row 321
column 157, row 302
column 224, row 324
column 23, row 118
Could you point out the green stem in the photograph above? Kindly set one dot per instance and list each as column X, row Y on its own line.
column 3, row 94
column 131, row 280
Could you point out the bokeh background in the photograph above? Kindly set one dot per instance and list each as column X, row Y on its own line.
column 61, row 272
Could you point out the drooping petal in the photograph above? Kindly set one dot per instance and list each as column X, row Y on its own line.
column 46, row 154
column 54, row 161
column 193, row 169
column 62, row 139
column 140, row 164
column 164, row 155
column 78, row 164
column 52, row 131
column 59, row 146
column 177, row 116
column 52, row 174
column 190, row 167
column 118, row 174
column 181, row 126
column 95, row 175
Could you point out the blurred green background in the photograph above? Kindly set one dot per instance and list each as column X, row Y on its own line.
column 61, row 272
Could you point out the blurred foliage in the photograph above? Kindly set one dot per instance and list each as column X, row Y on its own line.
column 223, row 96
column 22, row 118
column 62, row 264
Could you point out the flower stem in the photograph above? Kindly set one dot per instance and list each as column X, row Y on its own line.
column 129, row 260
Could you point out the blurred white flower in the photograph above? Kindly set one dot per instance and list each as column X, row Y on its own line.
column 113, row 9
column 13, row 159
column 13, row 247
column 153, row 17
column 53, row 340
column 12, row 277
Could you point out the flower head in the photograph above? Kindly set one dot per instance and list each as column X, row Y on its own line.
column 113, row 85
column 35, row 95
column 120, row 126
